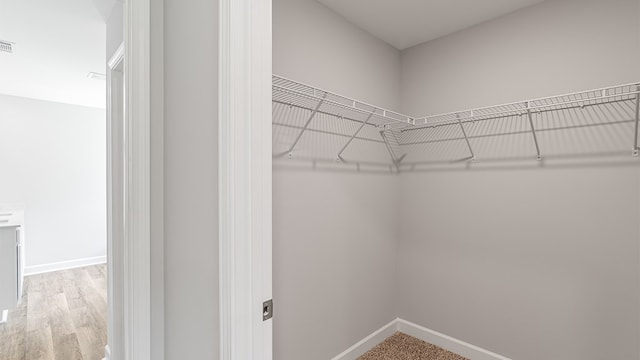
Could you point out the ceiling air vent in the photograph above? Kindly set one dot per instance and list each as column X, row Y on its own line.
column 96, row 76
column 6, row 46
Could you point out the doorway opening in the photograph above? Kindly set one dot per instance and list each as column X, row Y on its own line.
column 54, row 272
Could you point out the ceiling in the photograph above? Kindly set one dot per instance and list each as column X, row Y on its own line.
column 57, row 43
column 405, row 23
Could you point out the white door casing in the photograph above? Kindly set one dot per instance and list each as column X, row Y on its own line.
column 245, row 179
column 115, row 201
column 129, row 186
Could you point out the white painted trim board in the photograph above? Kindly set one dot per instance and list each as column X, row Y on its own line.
column 447, row 342
column 136, row 281
column 369, row 342
column 431, row 336
column 64, row 265
column 245, row 241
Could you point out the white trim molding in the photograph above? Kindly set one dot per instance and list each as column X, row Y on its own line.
column 115, row 203
column 245, row 179
column 369, row 342
column 432, row 337
column 107, row 353
column 447, row 342
column 64, row 265
column 137, row 238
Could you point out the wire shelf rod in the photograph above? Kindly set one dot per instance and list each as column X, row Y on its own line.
column 325, row 113
column 382, row 117
column 537, row 108
column 317, row 89
column 509, row 114
column 559, row 128
column 332, row 133
column 386, row 113
column 603, row 94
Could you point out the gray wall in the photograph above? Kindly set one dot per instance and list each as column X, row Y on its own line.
column 555, row 47
column 314, row 45
column 115, row 28
column 191, row 179
column 538, row 262
column 53, row 168
column 333, row 235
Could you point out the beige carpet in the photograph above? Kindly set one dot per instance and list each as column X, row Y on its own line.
column 404, row 347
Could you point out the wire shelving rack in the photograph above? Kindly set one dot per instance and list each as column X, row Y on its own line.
column 306, row 116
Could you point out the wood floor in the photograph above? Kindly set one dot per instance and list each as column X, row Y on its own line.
column 62, row 316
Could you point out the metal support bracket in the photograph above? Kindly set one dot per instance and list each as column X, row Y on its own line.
column 533, row 131
column 636, row 147
column 395, row 160
column 354, row 135
column 466, row 138
column 306, row 126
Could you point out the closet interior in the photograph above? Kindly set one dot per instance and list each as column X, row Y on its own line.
column 507, row 231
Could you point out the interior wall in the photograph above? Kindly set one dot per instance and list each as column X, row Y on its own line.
column 115, row 28
column 334, row 233
column 316, row 46
column 532, row 262
column 53, row 158
column 190, row 178
column 553, row 48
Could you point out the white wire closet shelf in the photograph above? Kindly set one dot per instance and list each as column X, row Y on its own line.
column 314, row 124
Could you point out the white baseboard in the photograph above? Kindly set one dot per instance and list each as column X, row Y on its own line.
column 3, row 317
column 432, row 337
column 107, row 353
column 447, row 342
column 369, row 342
column 63, row 265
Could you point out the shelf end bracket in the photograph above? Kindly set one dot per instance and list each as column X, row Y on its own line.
column 466, row 138
column 533, row 131
column 354, row 135
column 306, row 126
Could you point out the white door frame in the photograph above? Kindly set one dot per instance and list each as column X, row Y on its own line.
column 245, row 179
column 115, row 203
column 134, row 280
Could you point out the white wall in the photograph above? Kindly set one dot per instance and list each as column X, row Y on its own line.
column 190, row 178
column 115, row 28
column 314, row 45
column 54, row 166
column 553, row 48
column 532, row 263
column 334, row 233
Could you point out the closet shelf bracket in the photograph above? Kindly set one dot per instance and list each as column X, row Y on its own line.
column 466, row 138
column 354, row 135
column 533, row 130
column 636, row 147
column 396, row 161
column 306, row 125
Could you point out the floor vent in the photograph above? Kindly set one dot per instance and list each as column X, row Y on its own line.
column 6, row 46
